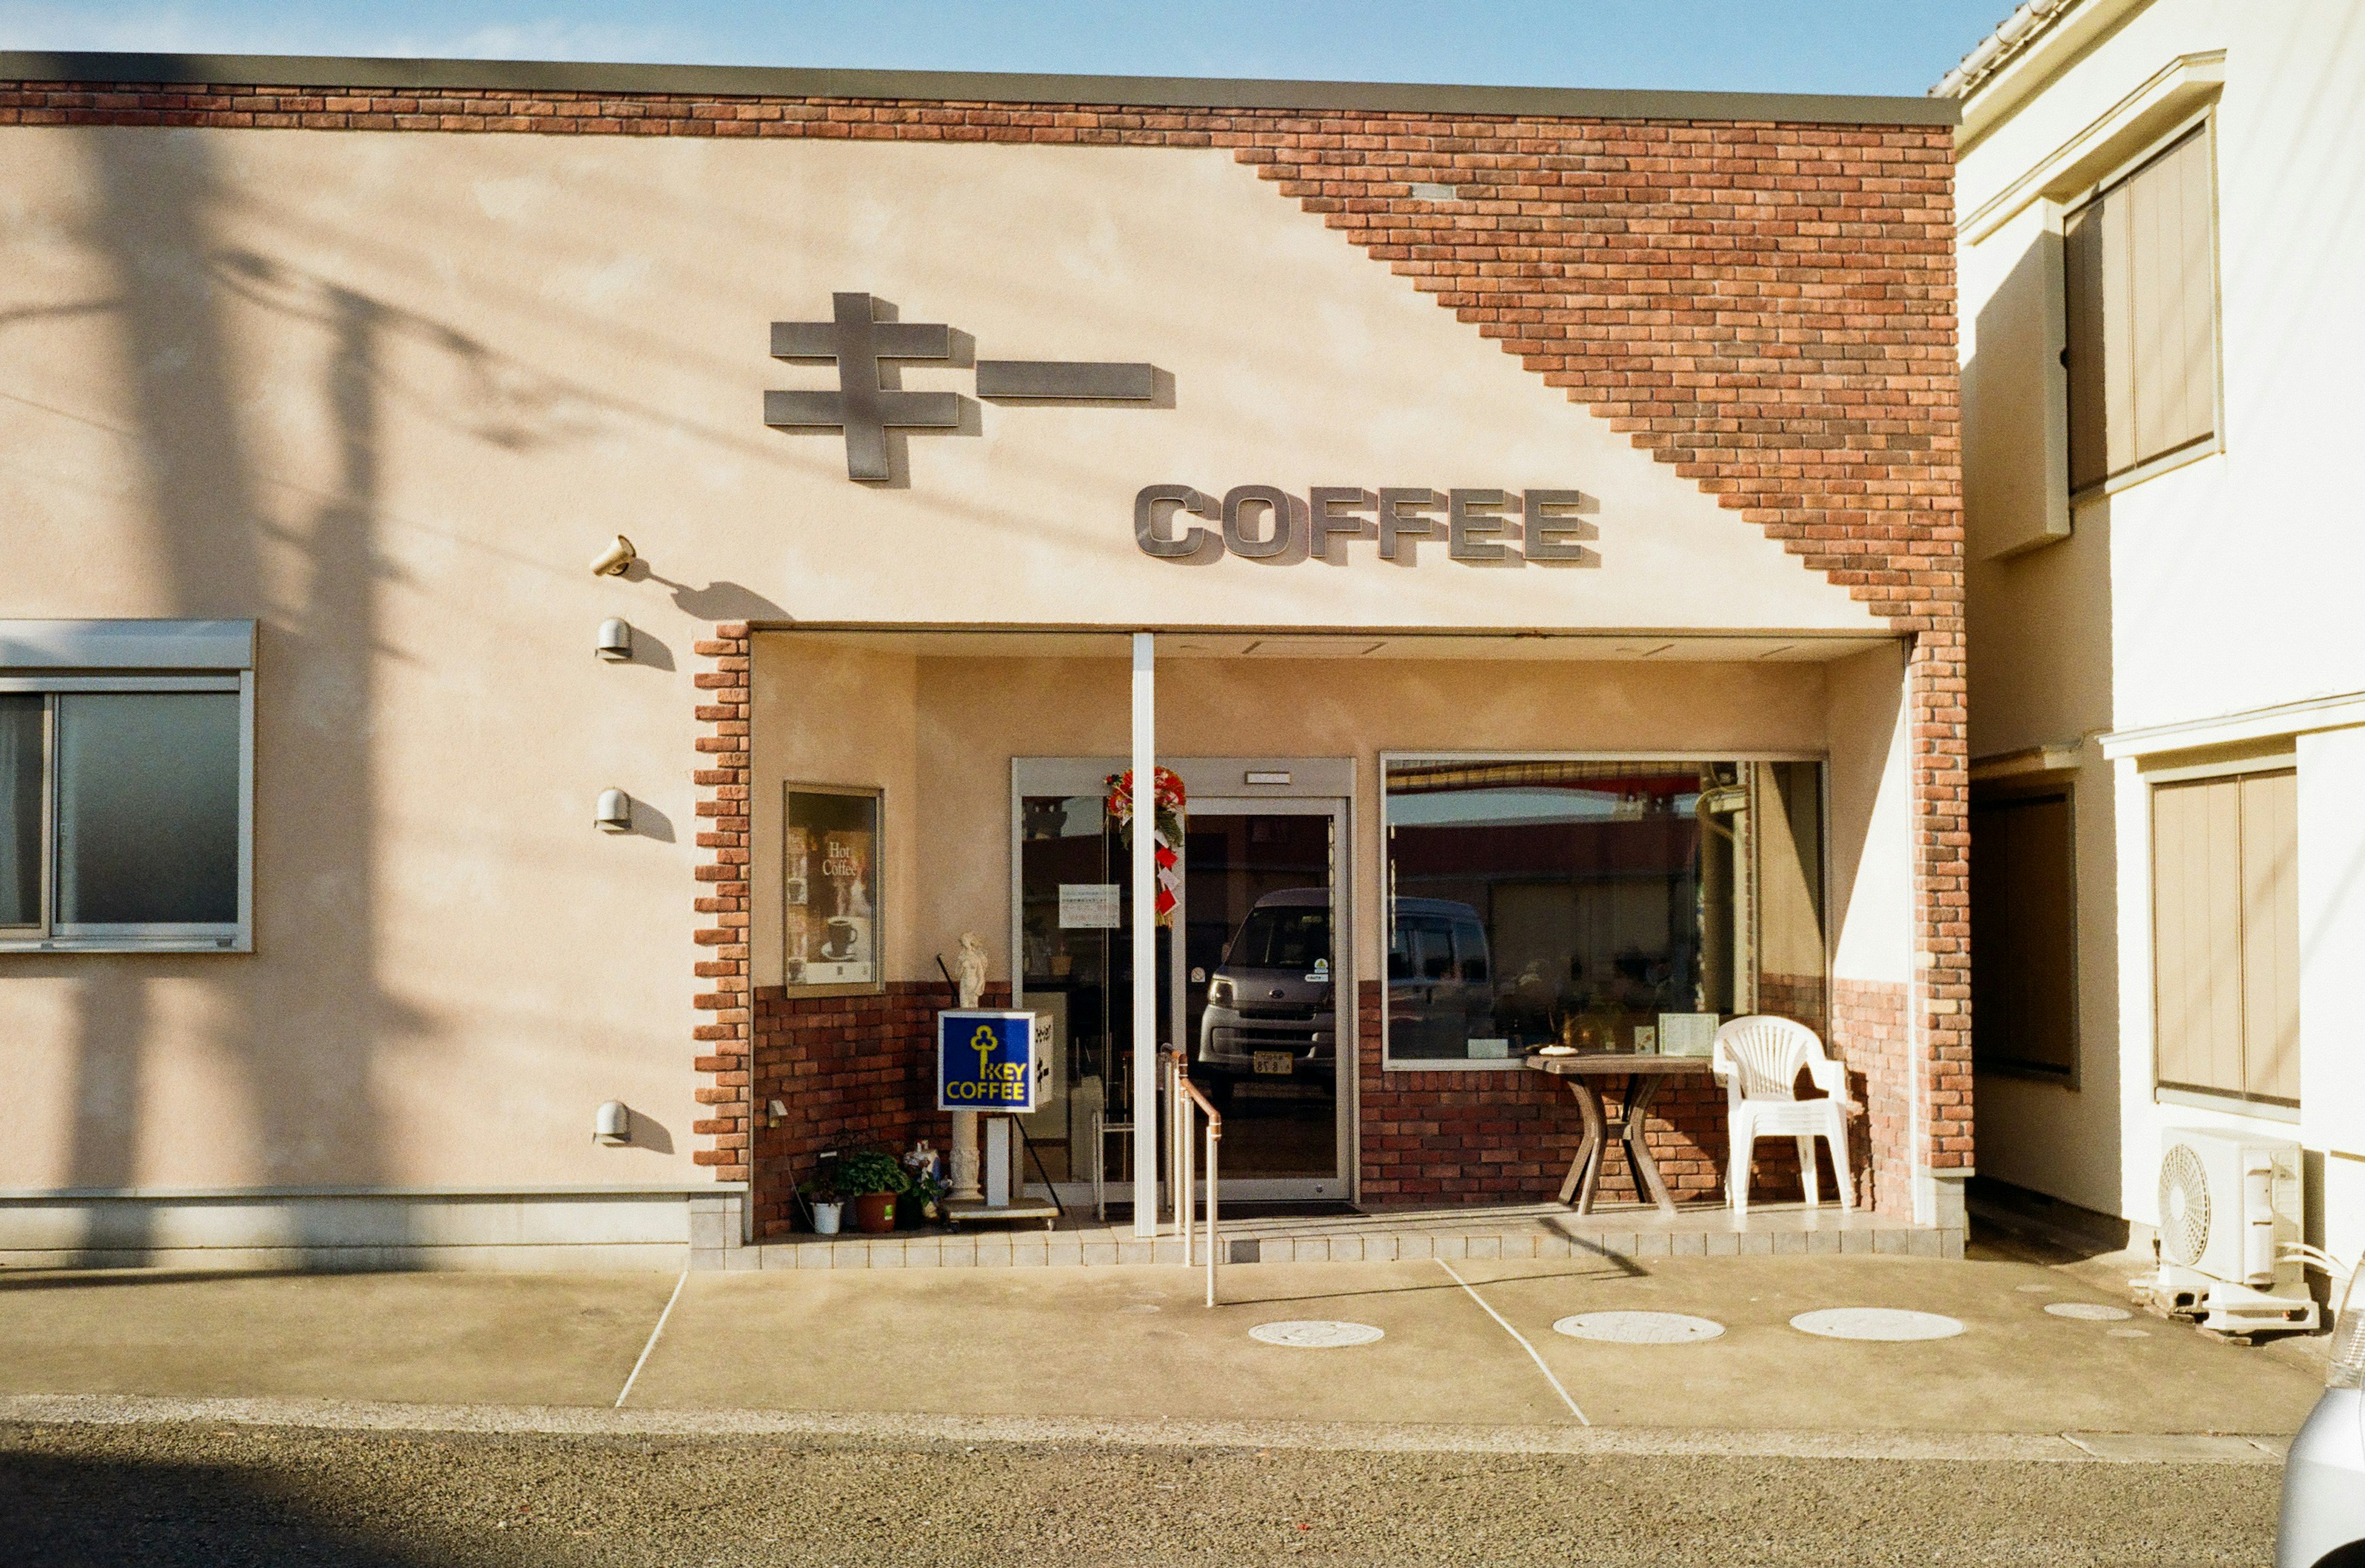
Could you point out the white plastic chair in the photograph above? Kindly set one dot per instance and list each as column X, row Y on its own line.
column 1757, row 1060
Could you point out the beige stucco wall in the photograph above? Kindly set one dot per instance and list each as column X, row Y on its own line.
column 1871, row 818
column 2213, row 589
column 387, row 392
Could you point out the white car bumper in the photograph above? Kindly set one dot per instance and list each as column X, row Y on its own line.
column 2323, row 1484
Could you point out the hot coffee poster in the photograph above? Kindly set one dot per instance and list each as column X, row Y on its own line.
column 830, row 881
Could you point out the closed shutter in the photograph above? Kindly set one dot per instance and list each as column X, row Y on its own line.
column 2140, row 301
column 2224, row 920
column 2271, row 936
column 2023, row 991
column 2081, row 265
column 2171, row 301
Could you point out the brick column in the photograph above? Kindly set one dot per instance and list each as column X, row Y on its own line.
column 723, row 775
column 1941, row 893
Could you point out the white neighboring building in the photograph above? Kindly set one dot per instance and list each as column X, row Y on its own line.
column 2161, row 209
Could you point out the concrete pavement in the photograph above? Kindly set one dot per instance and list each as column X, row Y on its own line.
column 1134, row 1345
column 1103, row 1416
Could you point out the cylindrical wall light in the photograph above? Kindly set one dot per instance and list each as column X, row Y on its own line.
column 614, row 1125
column 615, row 643
column 615, row 812
column 613, row 561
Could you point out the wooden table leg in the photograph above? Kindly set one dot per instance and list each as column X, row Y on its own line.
column 1585, row 1175
column 1639, row 1091
column 1584, row 1146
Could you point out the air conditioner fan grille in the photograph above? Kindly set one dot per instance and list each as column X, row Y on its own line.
column 2183, row 1206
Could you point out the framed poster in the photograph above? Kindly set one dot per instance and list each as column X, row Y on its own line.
column 829, row 889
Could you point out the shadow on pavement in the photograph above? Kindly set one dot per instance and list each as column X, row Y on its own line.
column 1444, row 1283
column 89, row 1279
column 68, row 1510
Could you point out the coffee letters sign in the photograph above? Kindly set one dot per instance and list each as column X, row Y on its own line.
column 1281, row 528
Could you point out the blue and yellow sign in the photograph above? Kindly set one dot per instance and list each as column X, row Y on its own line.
column 985, row 1061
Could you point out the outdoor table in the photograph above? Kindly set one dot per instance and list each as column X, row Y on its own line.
column 1641, row 1074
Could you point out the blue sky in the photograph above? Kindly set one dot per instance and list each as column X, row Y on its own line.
column 1796, row 46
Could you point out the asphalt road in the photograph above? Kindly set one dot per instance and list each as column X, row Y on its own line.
column 221, row 1495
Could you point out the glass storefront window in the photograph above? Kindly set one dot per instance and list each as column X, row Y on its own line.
column 124, row 817
column 830, row 876
column 148, row 808
column 21, row 768
column 1073, row 882
column 1596, row 904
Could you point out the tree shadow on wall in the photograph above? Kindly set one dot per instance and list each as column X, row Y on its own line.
column 294, row 1031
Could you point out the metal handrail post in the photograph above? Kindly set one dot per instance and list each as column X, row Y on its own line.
column 1188, row 1213
column 1182, row 1154
column 1214, row 1135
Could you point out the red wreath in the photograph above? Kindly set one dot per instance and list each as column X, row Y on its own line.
column 1167, row 836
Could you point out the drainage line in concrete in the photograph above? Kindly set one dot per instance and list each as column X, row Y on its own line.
column 660, row 1328
column 1515, row 1334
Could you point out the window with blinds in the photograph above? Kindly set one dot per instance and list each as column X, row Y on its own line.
column 2225, row 935
column 2023, row 954
column 2140, row 290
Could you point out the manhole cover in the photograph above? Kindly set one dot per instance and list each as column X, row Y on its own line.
column 1639, row 1327
column 1315, row 1334
column 1875, row 1323
column 2033, row 1290
column 2088, row 1311
column 1140, row 1306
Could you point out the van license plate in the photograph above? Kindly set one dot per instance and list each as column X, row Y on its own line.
column 1275, row 1064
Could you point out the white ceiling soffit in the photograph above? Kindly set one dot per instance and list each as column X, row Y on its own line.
column 954, row 643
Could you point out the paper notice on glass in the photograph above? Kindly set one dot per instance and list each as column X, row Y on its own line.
column 1687, row 1034
column 1089, row 906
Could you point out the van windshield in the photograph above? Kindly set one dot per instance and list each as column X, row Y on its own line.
column 1281, row 937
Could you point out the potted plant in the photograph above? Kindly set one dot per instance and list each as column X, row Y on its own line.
column 919, row 1204
column 823, row 1202
column 873, row 1179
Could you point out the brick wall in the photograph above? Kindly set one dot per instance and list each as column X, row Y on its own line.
column 851, row 1072
column 1868, row 1032
column 1437, row 1138
column 1770, row 308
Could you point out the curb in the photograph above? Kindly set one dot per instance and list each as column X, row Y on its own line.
column 352, row 1415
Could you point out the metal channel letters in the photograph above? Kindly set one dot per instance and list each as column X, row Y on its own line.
column 1278, row 528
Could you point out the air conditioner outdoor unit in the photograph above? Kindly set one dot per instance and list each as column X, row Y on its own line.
column 2229, row 1214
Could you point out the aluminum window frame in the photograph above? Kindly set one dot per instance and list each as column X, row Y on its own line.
column 54, row 935
column 1389, row 760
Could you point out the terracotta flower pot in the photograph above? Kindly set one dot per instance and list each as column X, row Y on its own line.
column 874, row 1213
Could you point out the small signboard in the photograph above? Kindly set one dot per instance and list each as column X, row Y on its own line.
column 988, row 1062
column 1090, row 906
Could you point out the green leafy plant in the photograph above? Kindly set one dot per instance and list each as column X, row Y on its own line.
column 871, row 1170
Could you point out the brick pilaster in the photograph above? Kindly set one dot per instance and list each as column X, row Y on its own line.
column 722, row 775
